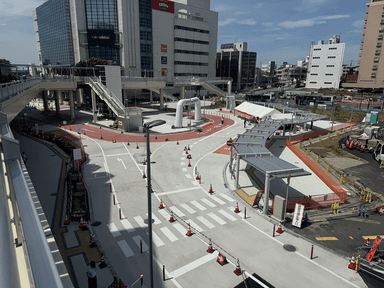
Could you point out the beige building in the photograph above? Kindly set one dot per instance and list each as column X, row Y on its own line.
column 371, row 72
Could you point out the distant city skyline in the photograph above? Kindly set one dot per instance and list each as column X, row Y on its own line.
column 277, row 30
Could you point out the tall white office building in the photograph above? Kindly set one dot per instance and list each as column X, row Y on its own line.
column 325, row 65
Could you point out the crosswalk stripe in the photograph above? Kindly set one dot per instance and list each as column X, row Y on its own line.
column 140, row 221
column 169, row 234
column 209, row 203
column 127, row 225
column 227, row 197
column 125, row 248
column 174, row 209
column 205, row 222
column 227, row 215
column 182, row 163
column 113, row 229
column 184, row 169
column 188, row 176
column 186, row 207
column 164, row 214
column 156, row 239
column 217, row 219
column 180, row 228
column 194, row 225
column 213, row 197
column 198, row 205
column 195, row 183
column 137, row 241
column 154, row 217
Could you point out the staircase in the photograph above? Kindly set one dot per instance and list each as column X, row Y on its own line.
column 109, row 98
column 165, row 94
column 214, row 89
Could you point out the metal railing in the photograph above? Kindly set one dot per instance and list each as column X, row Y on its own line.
column 11, row 89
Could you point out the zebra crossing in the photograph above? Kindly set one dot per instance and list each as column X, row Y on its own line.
column 176, row 231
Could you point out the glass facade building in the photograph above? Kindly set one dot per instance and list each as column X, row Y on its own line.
column 55, row 33
column 146, row 43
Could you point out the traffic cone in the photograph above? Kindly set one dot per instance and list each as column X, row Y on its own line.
column 137, row 146
column 368, row 243
column 103, row 263
column 238, row 269
column 92, row 241
column 352, row 263
column 210, row 248
column 156, row 137
column 101, row 136
column 171, row 219
column 144, row 163
column 210, row 190
column 84, row 228
column 128, row 143
column 161, row 204
column 237, row 208
column 188, row 147
column 186, row 151
column 151, row 189
column 197, row 176
column 279, row 229
column 177, row 143
column 66, row 221
column 189, row 164
column 81, row 223
column 100, row 127
column 144, row 176
column 189, row 232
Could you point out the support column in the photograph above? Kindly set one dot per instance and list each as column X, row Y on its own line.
column 230, row 158
column 283, row 130
column 72, row 104
column 237, row 172
column 93, row 99
column 266, row 193
column 45, row 100
column 182, row 92
column 150, row 97
column 61, row 98
column 161, row 99
column 229, row 87
column 57, row 102
column 125, row 95
column 79, row 97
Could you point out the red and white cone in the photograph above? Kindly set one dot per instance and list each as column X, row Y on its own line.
column 177, row 143
column 137, row 146
column 352, row 263
column 186, row 151
column 66, row 221
column 238, row 269
column 81, row 223
column 85, row 226
column 128, row 143
column 144, row 176
column 237, row 210
column 171, row 219
column 189, row 164
column 188, row 147
column 210, row 189
column 161, row 204
column 101, row 136
column 103, row 263
column 279, row 229
column 210, row 248
column 367, row 244
column 189, row 232
column 144, row 162
column 197, row 176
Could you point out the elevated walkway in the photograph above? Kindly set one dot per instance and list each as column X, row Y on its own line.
column 165, row 94
column 214, row 89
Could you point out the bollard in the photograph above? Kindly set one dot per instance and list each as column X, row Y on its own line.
column 120, row 213
column 141, row 246
column 141, row 280
column 110, row 188
column 114, row 200
column 312, row 253
column 200, row 179
column 245, row 212
column 163, row 273
column 274, row 228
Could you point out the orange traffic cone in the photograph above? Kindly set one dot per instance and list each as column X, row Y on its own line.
column 197, row 176
column 137, row 146
column 100, row 127
column 352, row 263
column 237, row 208
column 210, row 190
column 189, row 164
column 144, row 163
column 279, row 229
column 161, row 204
column 210, row 248
column 189, row 232
column 144, row 176
column 367, row 244
column 177, row 143
column 186, row 151
column 101, row 136
column 188, row 147
column 156, row 137
column 103, row 263
column 81, row 223
column 66, row 221
column 128, row 143
column 238, row 269
column 171, row 219
column 85, row 226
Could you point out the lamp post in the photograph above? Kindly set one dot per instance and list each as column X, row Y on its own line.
column 147, row 126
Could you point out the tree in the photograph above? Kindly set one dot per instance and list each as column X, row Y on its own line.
column 90, row 63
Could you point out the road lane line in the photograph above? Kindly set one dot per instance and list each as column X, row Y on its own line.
column 169, row 234
column 140, row 221
column 127, row 225
column 177, row 191
column 193, row 265
column 194, row 225
column 198, row 205
column 156, row 239
column 326, row 238
column 184, row 169
column 180, row 228
column 188, row 176
column 188, row 208
column 125, row 248
column 121, row 154
column 205, row 222
column 113, row 229
column 137, row 241
column 164, row 214
column 213, row 197
column 217, row 219
column 174, row 209
column 154, row 217
column 209, row 203
column 182, row 163
column 227, row 215
column 227, row 197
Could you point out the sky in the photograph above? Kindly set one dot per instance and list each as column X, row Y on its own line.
column 278, row 30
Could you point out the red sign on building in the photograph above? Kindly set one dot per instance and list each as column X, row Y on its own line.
column 163, row 5
column 164, row 71
column 163, row 47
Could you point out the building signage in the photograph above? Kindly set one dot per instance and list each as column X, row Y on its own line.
column 298, row 215
column 163, row 47
column 164, row 71
column 101, row 37
column 164, row 60
column 163, row 5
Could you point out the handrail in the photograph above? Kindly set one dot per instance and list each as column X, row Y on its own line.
column 10, row 89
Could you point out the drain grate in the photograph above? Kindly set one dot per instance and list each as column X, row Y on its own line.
column 96, row 223
column 146, row 221
column 289, row 248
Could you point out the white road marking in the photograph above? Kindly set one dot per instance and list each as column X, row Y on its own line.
column 164, row 214
column 198, row 205
column 194, row 225
column 128, row 226
column 180, row 228
column 186, row 207
column 195, row 183
column 227, row 197
column 194, row 264
column 121, row 154
column 177, row 191
column 125, row 248
column 182, row 163
column 195, row 143
column 113, row 229
column 227, row 215
column 209, row 203
column 140, row 221
column 154, row 217
column 205, row 222
column 175, row 210
column 182, row 158
column 137, row 241
column 188, row 176
column 169, row 234
column 217, row 219
column 156, row 239
column 213, row 197
column 122, row 162
column 184, row 169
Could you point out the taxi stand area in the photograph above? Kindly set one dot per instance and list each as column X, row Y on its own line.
column 250, row 147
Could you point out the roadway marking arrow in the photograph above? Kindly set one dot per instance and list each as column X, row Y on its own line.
column 122, row 162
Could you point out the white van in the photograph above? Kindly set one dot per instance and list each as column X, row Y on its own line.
column 347, row 97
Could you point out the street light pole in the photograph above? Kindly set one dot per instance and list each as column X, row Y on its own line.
column 147, row 126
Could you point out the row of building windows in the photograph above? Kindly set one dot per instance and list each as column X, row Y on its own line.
column 190, row 74
column 330, row 48
column 329, row 57
column 191, row 52
column 325, row 82
column 191, row 29
column 316, row 74
column 191, row 41
column 328, row 65
column 145, row 35
column 190, row 63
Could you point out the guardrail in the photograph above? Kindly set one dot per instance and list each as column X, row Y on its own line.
column 11, row 89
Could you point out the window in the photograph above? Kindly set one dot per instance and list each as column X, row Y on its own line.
column 328, row 83
column 191, row 52
column 378, row 44
column 377, row 52
column 191, row 41
column 373, row 75
column 316, row 57
column 191, row 63
column 330, row 65
column 381, row 29
column 190, row 74
column 314, row 74
column 374, row 67
column 332, row 48
column 380, row 37
column 330, row 57
column 312, row 82
column 376, row 59
column 382, row 22
column 315, row 66
column 191, row 29
column 317, row 49
column 328, row 74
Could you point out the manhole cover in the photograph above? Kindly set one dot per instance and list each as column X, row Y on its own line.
column 96, row 223
column 289, row 248
column 53, row 194
column 146, row 221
